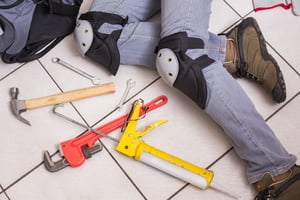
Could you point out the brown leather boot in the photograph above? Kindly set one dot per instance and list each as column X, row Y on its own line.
column 285, row 188
column 253, row 61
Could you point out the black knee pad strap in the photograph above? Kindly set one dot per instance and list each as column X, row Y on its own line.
column 104, row 49
column 190, row 79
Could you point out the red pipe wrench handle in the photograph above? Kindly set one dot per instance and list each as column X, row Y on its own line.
column 72, row 149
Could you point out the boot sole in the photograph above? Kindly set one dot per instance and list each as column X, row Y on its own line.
column 279, row 90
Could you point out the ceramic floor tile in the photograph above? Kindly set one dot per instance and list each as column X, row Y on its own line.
column 22, row 145
column 6, row 69
column 241, row 8
column 100, row 178
column 189, row 134
column 3, row 195
column 94, row 109
column 186, row 141
column 286, row 126
column 229, row 182
column 282, row 35
column 262, row 99
column 222, row 16
column 230, row 170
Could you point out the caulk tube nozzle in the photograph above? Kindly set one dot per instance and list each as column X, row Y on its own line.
column 174, row 166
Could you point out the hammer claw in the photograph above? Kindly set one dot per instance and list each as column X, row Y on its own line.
column 17, row 106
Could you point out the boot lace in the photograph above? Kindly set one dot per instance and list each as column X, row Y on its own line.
column 243, row 72
column 271, row 194
column 265, row 195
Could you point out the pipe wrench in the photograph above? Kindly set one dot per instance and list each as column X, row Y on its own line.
column 132, row 145
column 75, row 151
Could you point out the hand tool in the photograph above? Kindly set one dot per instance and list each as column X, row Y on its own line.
column 95, row 80
column 129, row 85
column 71, row 150
column 19, row 106
column 87, row 152
column 132, row 145
column 54, row 110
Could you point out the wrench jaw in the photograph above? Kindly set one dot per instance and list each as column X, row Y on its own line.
column 54, row 166
column 73, row 153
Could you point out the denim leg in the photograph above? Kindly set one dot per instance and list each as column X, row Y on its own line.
column 192, row 17
column 139, row 38
column 251, row 137
column 216, row 47
column 227, row 103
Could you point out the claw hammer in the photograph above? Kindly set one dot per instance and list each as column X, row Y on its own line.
column 19, row 106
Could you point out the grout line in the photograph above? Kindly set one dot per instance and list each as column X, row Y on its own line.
column 208, row 167
column 41, row 163
column 285, row 60
column 57, row 85
column 178, row 191
column 123, row 170
column 228, row 4
column 283, row 106
column 115, row 109
column 234, row 10
column 110, row 154
column 143, row 89
column 10, row 73
column 22, row 177
column 220, row 157
column 252, row 11
column 3, row 191
column 231, row 148
column 183, row 187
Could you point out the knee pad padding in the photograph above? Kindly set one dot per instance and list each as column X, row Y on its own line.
column 167, row 65
column 100, row 47
column 179, row 70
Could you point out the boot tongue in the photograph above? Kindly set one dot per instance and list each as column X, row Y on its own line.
column 264, row 183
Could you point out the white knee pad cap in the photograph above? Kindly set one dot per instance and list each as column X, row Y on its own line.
column 84, row 35
column 167, row 65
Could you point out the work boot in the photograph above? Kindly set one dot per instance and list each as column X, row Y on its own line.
column 252, row 59
column 286, row 188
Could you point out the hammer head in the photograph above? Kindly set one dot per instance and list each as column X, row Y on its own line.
column 17, row 106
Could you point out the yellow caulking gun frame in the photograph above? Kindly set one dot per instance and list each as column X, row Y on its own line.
column 132, row 145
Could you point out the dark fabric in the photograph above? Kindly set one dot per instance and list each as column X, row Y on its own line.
column 48, row 26
column 104, row 49
column 190, row 79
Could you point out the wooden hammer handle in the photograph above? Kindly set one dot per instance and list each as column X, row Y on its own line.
column 70, row 96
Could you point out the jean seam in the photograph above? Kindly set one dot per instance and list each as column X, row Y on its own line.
column 188, row 19
column 274, row 172
column 244, row 130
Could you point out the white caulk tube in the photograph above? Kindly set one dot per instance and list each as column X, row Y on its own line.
column 174, row 166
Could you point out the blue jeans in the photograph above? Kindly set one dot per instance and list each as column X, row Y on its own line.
column 227, row 103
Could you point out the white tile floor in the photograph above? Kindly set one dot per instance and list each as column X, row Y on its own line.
column 189, row 134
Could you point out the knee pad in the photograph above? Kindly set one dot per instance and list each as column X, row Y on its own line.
column 100, row 47
column 31, row 28
column 179, row 70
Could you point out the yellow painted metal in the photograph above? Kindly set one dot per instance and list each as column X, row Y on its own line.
column 132, row 145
